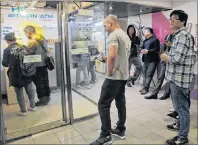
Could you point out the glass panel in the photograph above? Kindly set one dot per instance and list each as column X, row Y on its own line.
column 85, row 30
column 43, row 17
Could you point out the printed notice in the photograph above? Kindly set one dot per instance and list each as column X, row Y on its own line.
column 32, row 58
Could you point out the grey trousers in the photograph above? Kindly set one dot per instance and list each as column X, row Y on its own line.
column 138, row 67
column 85, row 74
column 92, row 71
column 148, row 71
column 21, row 99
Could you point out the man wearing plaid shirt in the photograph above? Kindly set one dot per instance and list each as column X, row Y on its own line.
column 180, row 69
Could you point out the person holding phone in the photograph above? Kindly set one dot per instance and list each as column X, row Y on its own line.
column 150, row 58
column 162, row 66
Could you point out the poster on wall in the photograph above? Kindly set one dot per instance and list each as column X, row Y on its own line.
column 45, row 22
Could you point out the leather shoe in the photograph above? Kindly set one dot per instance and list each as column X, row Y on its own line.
column 164, row 97
column 152, row 96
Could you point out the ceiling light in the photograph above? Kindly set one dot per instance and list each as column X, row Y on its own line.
column 140, row 11
column 33, row 8
column 110, row 8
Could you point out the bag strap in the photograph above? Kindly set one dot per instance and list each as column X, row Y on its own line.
column 42, row 46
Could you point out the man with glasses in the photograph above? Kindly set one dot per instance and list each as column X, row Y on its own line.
column 180, row 68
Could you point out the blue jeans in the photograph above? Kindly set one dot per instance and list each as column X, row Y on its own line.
column 181, row 102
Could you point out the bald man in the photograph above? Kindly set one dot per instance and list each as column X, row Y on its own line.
column 114, row 85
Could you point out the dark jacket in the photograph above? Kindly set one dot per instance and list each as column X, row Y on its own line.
column 10, row 61
column 153, row 46
column 135, row 41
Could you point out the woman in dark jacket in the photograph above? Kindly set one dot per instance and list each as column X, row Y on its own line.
column 15, row 79
column 133, row 57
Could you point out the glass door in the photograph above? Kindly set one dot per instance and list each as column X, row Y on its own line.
column 79, row 107
column 41, row 22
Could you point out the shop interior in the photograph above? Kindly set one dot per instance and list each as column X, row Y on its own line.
column 86, row 39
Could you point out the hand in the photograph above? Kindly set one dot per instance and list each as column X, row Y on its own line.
column 164, row 57
column 108, row 74
column 144, row 51
column 111, row 73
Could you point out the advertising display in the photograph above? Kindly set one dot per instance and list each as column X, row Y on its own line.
column 14, row 19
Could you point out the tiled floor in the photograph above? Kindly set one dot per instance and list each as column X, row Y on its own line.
column 46, row 114
column 146, row 124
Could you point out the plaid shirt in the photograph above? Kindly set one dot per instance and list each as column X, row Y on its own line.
column 180, row 68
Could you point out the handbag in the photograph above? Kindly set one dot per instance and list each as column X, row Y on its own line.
column 49, row 60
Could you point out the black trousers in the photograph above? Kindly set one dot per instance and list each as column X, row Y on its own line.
column 148, row 72
column 112, row 89
column 161, row 76
column 41, row 82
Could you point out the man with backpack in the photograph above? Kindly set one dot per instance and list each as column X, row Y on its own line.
column 11, row 59
column 36, row 46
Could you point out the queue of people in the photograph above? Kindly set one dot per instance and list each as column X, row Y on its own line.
column 13, row 57
column 176, row 58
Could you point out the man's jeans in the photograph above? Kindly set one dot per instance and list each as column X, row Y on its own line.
column 160, row 78
column 21, row 99
column 138, row 67
column 112, row 89
column 181, row 102
column 85, row 74
column 148, row 72
column 92, row 71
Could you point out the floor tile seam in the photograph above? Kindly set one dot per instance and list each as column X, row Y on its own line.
column 59, row 139
column 150, row 135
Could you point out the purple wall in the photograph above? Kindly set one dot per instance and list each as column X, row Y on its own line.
column 194, row 92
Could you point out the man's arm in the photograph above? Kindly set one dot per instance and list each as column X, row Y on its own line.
column 112, row 53
column 5, row 61
column 179, row 50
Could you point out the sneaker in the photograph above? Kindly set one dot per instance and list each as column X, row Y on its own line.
column 171, row 110
column 177, row 141
column 92, row 82
column 173, row 115
column 32, row 109
column 41, row 103
column 22, row 114
column 103, row 141
column 129, row 84
column 173, row 127
column 119, row 134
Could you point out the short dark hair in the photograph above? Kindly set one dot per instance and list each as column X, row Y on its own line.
column 183, row 17
column 150, row 30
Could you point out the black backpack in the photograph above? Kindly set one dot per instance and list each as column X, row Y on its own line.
column 25, row 69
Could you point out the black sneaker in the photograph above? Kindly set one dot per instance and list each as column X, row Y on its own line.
column 173, row 127
column 119, row 134
column 129, row 84
column 103, row 141
column 173, row 115
column 177, row 141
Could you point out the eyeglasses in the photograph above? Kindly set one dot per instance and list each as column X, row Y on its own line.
column 174, row 18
